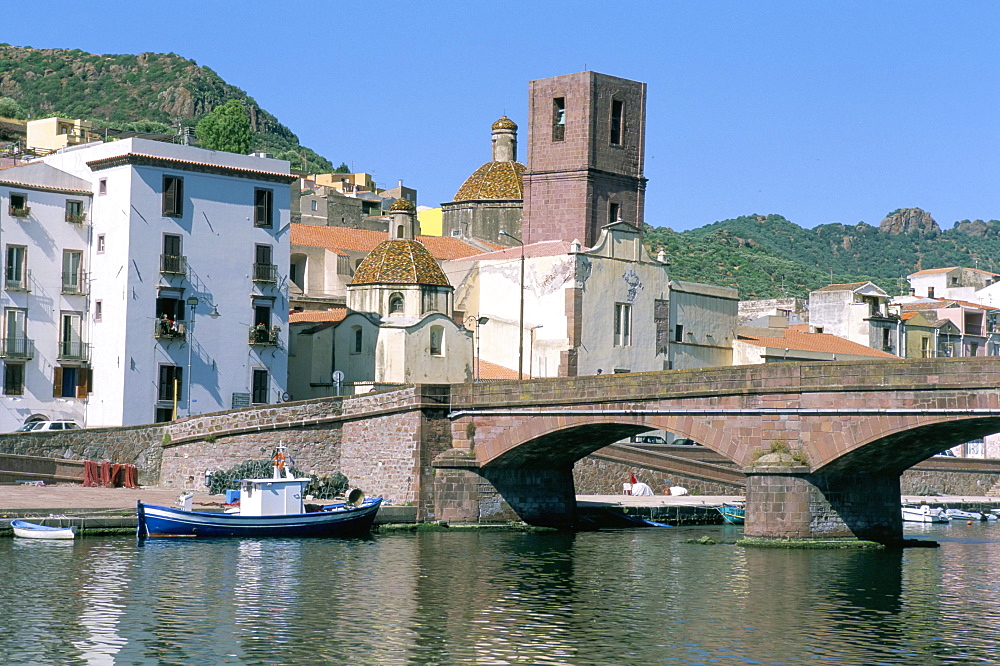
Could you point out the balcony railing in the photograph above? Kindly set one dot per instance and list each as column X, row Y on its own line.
column 74, row 350
column 76, row 218
column 168, row 329
column 262, row 335
column 73, row 283
column 265, row 273
column 18, row 282
column 18, row 347
column 23, row 211
column 173, row 264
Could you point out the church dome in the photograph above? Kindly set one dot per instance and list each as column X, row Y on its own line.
column 493, row 180
column 402, row 204
column 505, row 123
column 400, row 262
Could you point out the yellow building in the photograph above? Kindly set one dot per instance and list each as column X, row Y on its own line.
column 430, row 221
column 55, row 133
column 345, row 182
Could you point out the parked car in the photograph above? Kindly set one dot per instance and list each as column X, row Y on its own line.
column 648, row 439
column 49, row 426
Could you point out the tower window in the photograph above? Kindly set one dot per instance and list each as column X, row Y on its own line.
column 437, row 340
column 173, row 196
column 558, row 118
column 614, row 212
column 617, row 121
column 396, row 304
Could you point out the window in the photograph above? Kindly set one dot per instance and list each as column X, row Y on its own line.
column 74, row 212
column 13, row 379
column 71, row 382
column 171, row 261
column 16, row 272
column 70, row 336
column 163, row 415
column 313, row 203
column 98, row 310
column 259, row 386
column 100, row 243
column 72, row 282
column 437, row 340
column 263, row 208
column 617, row 121
column 623, row 324
column 614, row 212
column 925, row 346
column 173, row 196
column 973, row 349
column 261, row 314
column 396, row 303
column 886, row 340
column 102, row 186
column 171, row 383
column 19, row 205
column 558, row 118
column 930, row 292
column 678, row 333
column 263, row 269
column 358, row 340
column 16, row 334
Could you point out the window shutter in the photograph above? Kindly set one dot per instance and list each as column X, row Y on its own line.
column 169, row 195
column 57, row 382
column 83, row 382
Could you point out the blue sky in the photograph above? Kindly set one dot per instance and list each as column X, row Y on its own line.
column 821, row 112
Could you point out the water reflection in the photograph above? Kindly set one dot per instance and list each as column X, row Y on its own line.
column 498, row 598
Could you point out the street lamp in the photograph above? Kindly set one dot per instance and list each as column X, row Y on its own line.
column 476, row 356
column 520, row 321
column 192, row 302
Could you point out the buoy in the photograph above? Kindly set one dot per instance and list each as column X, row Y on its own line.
column 969, row 523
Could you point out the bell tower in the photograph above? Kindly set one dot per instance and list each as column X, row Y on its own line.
column 586, row 146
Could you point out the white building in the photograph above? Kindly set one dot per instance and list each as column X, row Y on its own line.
column 180, row 301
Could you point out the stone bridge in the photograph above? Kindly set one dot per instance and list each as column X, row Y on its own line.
column 823, row 444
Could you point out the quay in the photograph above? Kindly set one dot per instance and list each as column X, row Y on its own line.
column 112, row 510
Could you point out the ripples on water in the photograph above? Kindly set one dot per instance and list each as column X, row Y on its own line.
column 610, row 597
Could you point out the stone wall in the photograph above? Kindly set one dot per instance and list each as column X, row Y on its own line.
column 921, row 482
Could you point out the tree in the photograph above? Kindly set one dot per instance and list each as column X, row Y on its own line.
column 227, row 128
column 343, row 168
column 9, row 108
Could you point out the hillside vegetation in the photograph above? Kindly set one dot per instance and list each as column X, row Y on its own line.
column 766, row 256
column 146, row 92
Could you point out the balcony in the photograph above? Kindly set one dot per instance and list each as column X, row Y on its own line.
column 76, row 218
column 74, row 350
column 19, row 211
column 167, row 329
column 73, row 284
column 18, row 348
column 172, row 264
column 264, row 336
column 265, row 273
column 18, row 282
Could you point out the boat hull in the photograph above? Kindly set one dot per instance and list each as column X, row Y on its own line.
column 342, row 521
column 733, row 514
column 924, row 515
column 27, row 530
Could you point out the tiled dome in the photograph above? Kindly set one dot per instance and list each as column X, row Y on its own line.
column 402, row 204
column 400, row 262
column 505, row 123
column 493, row 180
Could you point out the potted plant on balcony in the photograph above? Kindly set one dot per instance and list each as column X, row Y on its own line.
column 273, row 338
column 19, row 211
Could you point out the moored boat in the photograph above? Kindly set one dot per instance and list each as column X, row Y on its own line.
column 959, row 514
column 733, row 513
column 26, row 530
column 271, row 507
column 924, row 514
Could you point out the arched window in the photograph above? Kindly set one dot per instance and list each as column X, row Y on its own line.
column 396, row 303
column 399, row 231
column 358, row 339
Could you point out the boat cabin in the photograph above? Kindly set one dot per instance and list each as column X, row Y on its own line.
column 272, row 497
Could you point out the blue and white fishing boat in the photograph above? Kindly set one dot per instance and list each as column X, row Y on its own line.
column 270, row 507
column 26, row 530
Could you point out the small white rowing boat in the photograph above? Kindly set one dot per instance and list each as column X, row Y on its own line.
column 26, row 530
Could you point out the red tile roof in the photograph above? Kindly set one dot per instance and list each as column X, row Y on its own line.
column 540, row 249
column 847, row 286
column 932, row 271
column 815, row 342
column 338, row 239
column 489, row 370
column 314, row 316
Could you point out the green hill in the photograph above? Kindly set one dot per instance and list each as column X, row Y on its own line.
column 147, row 92
column 766, row 256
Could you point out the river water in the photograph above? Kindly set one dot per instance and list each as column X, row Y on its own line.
column 606, row 597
